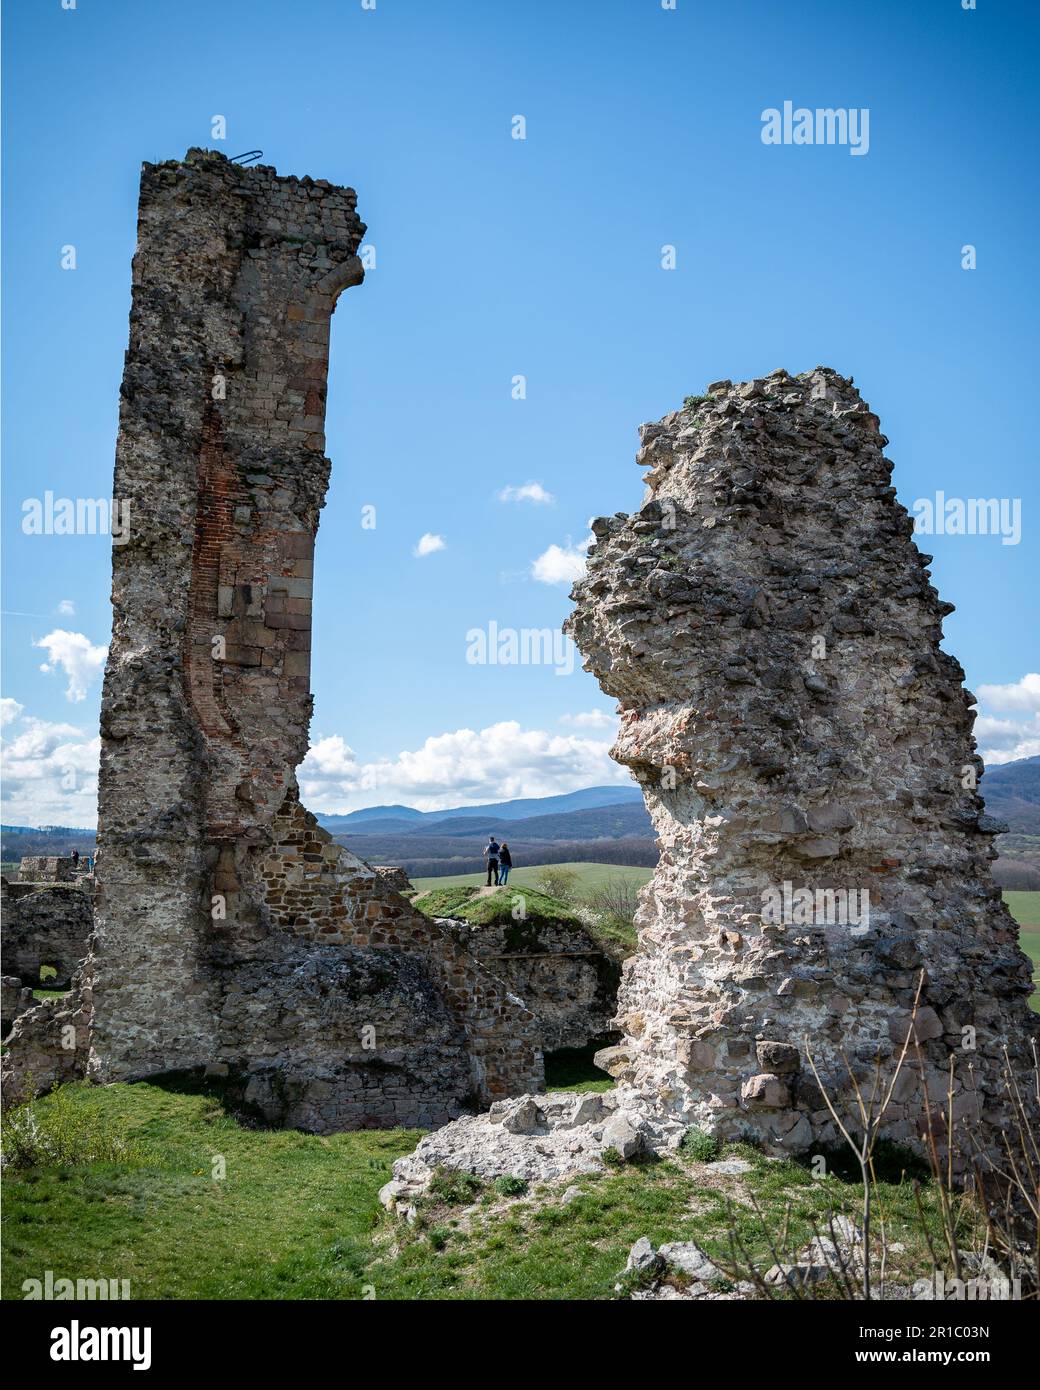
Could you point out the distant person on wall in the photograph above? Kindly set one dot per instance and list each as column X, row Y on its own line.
column 505, row 862
column 491, row 852
column 75, row 860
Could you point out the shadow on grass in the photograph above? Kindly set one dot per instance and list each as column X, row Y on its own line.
column 572, row 1068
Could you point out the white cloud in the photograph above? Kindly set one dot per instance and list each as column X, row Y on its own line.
column 9, row 710
column 527, row 492
column 1019, row 695
column 50, row 773
column 1004, row 740
column 67, row 608
column 428, row 544
column 76, row 655
column 591, row 719
column 465, row 767
column 561, row 564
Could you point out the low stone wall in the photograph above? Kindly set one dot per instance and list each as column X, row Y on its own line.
column 562, row 973
column 47, row 868
column 45, row 925
column 15, row 999
column 394, row 877
column 393, row 1021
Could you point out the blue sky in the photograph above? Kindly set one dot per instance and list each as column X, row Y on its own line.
column 542, row 257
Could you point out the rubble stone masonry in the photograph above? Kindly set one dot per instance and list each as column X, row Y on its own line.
column 767, row 625
column 823, row 897
column 231, row 933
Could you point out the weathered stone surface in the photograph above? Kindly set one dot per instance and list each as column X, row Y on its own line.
column 232, row 933
column 689, row 1259
column 45, row 928
column 563, row 974
column 804, row 745
column 394, row 877
column 767, row 626
column 15, row 999
column 532, row 1137
column 48, row 1043
column 50, row 868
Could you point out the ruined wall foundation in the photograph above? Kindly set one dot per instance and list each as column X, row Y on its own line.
column 45, row 930
column 231, row 932
column 804, row 745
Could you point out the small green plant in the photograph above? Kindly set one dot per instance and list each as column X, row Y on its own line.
column 700, row 1146
column 631, row 1281
column 612, row 1158
column 64, row 1131
column 557, row 882
column 438, row 1236
column 691, row 402
column 453, row 1188
column 510, row 1185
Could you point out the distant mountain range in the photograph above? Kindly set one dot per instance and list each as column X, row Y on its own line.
column 402, row 816
column 606, row 824
column 1012, row 793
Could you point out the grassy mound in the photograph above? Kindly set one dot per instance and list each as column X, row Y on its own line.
column 617, row 938
column 498, row 906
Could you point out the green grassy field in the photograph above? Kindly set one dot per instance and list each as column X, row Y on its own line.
column 297, row 1216
column 1025, row 908
column 590, row 877
column 196, row 1206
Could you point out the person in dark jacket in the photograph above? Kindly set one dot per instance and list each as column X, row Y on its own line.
column 505, row 863
column 491, row 852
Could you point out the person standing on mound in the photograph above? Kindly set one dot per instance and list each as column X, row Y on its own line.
column 491, row 852
column 505, row 863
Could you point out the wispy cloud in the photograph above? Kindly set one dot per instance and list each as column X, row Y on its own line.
column 9, row 711
column 591, row 719
column 463, row 767
column 74, row 654
column 1004, row 740
column 526, row 492
column 429, row 544
column 561, row 564
column 50, row 771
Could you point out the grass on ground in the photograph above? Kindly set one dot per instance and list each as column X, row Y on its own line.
column 502, row 905
column 590, row 877
column 297, row 1216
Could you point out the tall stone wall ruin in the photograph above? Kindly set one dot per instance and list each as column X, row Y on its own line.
column 804, row 745
column 823, row 897
column 231, row 933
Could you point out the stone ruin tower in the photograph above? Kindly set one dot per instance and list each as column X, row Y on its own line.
column 231, row 933
column 766, row 623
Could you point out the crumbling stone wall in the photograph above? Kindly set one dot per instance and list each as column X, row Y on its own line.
column 15, row 1000
column 766, row 623
column 215, row 943
column 44, row 925
column 47, row 868
column 394, row 877
column 565, row 977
